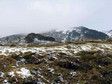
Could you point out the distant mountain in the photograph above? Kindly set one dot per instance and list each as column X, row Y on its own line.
column 109, row 33
column 14, row 36
column 13, row 39
column 38, row 38
column 23, row 39
column 76, row 33
column 73, row 34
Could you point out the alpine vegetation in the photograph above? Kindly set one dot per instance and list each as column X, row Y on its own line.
column 55, row 41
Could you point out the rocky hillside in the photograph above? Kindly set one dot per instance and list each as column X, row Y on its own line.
column 76, row 33
column 89, row 63
column 13, row 39
column 73, row 34
column 109, row 33
column 37, row 38
column 24, row 39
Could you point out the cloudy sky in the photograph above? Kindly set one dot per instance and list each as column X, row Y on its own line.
column 24, row 16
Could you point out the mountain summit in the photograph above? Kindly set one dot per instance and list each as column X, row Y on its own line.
column 76, row 33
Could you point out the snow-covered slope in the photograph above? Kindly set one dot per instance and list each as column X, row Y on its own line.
column 109, row 33
column 74, row 49
column 76, row 33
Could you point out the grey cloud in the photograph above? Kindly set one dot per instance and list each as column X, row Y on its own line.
column 24, row 16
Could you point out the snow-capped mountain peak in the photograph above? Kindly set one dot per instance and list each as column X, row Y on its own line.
column 76, row 33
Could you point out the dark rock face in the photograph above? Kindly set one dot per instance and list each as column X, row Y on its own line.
column 32, row 82
column 76, row 33
column 30, row 38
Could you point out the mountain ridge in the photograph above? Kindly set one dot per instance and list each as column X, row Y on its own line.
column 76, row 33
column 60, row 35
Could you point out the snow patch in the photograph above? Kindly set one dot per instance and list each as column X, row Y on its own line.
column 1, row 74
column 51, row 70
column 25, row 73
column 73, row 74
column 11, row 74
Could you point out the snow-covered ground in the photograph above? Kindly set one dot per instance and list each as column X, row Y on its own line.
column 73, row 47
column 26, row 70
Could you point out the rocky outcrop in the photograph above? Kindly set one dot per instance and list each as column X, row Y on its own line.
column 33, row 38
